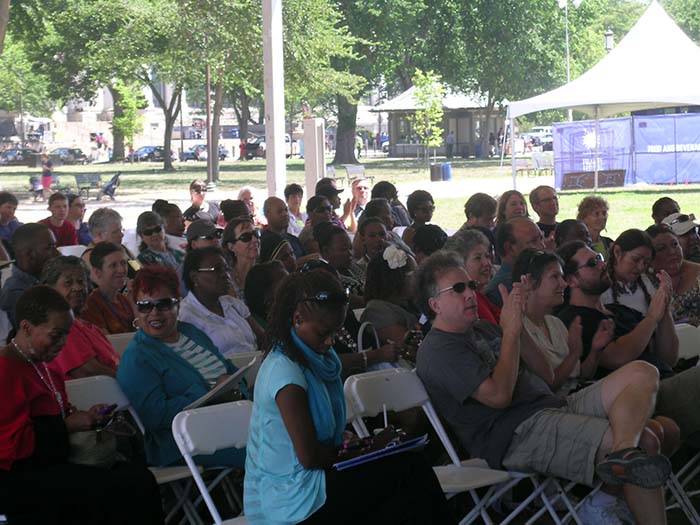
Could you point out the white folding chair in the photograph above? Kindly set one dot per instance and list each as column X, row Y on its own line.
column 206, row 430
column 242, row 359
column 120, row 341
column 400, row 389
column 89, row 391
column 76, row 249
column 688, row 341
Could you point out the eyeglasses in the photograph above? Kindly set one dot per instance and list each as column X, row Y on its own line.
column 460, row 287
column 592, row 262
column 215, row 269
column 152, row 231
column 247, row 236
column 682, row 218
column 162, row 305
column 327, row 297
column 216, row 235
column 324, row 209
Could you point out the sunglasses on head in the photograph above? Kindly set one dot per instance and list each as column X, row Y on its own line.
column 152, row 231
column 592, row 262
column 460, row 287
column 248, row 236
column 327, row 297
column 324, row 209
column 216, row 235
column 162, row 305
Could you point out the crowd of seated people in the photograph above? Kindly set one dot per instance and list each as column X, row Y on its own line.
column 544, row 345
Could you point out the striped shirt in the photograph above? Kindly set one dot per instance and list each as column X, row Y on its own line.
column 207, row 364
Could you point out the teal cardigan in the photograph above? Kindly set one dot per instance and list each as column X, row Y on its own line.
column 159, row 385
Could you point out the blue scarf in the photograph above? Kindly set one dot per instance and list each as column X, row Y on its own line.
column 326, row 398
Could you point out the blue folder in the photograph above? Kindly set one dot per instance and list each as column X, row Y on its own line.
column 389, row 450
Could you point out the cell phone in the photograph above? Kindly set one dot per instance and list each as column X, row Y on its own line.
column 107, row 409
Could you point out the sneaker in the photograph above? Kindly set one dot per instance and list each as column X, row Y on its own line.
column 599, row 511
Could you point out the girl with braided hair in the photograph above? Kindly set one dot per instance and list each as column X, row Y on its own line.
column 628, row 267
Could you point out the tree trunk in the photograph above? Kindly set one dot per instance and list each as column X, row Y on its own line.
column 485, row 129
column 117, row 135
column 215, row 126
column 242, row 108
column 4, row 21
column 345, row 135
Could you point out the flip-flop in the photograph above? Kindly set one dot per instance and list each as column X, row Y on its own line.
column 633, row 465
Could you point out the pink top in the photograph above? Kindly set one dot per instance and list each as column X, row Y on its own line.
column 84, row 342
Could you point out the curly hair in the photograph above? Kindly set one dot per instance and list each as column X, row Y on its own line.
column 627, row 241
column 503, row 203
column 150, row 278
column 53, row 269
column 589, row 204
column 296, row 292
column 37, row 303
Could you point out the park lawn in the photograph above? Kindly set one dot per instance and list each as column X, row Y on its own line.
column 629, row 207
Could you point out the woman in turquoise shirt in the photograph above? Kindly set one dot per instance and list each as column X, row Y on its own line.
column 298, row 423
column 167, row 366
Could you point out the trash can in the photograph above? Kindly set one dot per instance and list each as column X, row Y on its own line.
column 478, row 151
column 435, row 172
column 446, row 171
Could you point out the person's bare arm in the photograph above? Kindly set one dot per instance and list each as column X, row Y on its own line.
column 496, row 391
column 532, row 356
column 92, row 368
column 601, row 338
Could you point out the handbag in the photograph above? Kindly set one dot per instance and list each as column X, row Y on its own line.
column 96, row 448
column 400, row 362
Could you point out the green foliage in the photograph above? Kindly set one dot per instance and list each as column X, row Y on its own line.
column 131, row 101
column 686, row 14
column 427, row 120
column 20, row 80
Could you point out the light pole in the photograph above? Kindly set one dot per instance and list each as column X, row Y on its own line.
column 564, row 4
column 609, row 40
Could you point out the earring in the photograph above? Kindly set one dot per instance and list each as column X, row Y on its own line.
column 135, row 323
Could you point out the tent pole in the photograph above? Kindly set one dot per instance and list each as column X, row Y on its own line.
column 511, row 123
column 597, row 140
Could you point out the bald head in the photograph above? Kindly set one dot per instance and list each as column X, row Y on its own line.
column 277, row 214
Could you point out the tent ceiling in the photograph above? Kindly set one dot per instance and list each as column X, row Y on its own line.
column 656, row 65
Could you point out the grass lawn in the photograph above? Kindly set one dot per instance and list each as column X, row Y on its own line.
column 629, row 208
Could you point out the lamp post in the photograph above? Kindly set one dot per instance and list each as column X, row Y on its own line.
column 564, row 4
column 609, row 40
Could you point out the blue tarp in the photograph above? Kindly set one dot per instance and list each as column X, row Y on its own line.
column 659, row 149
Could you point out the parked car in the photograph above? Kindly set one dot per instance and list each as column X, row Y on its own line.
column 17, row 156
column 69, row 155
column 198, row 152
column 149, row 154
column 255, row 147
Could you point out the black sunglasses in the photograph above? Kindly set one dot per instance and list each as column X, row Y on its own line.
column 324, row 209
column 162, row 305
column 152, row 231
column 216, row 235
column 327, row 297
column 460, row 287
column 247, row 236
column 592, row 262
column 199, row 191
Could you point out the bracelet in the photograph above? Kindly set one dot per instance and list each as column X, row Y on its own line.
column 364, row 357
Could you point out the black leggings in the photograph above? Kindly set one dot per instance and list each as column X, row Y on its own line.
column 64, row 494
column 396, row 490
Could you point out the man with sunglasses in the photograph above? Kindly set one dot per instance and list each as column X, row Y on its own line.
column 505, row 414
column 686, row 229
column 652, row 339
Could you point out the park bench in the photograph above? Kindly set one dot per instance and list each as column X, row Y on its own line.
column 86, row 182
column 331, row 174
column 356, row 171
column 523, row 166
column 543, row 163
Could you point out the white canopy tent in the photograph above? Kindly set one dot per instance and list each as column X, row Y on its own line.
column 656, row 65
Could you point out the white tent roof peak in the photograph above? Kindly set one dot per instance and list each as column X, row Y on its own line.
column 655, row 65
column 406, row 101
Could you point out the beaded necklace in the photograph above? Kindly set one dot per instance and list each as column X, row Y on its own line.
column 48, row 383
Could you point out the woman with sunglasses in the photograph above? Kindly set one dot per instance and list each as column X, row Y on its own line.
column 475, row 249
column 628, row 267
column 154, row 249
column 201, row 208
column 547, row 347
column 685, row 275
column 298, row 422
column 420, row 206
column 168, row 365
column 208, row 306
column 38, row 483
column 241, row 244
column 87, row 351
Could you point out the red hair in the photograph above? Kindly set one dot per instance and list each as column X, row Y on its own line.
column 150, row 278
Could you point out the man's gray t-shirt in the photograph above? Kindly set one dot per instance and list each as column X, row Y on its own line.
column 453, row 365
